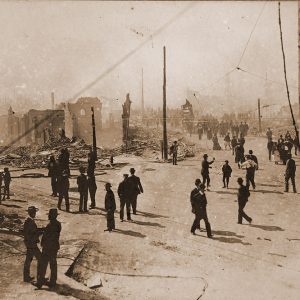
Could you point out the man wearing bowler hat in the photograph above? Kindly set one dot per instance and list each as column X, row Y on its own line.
column 50, row 245
column 31, row 240
column 135, row 188
column 199, row 203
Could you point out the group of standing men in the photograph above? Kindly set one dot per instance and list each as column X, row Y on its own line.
column 128, row 191
column 49, row 243
column 59, row 171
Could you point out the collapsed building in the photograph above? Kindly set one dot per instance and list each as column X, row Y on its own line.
column 38, row 126
column 78, row 118
column 34, row 127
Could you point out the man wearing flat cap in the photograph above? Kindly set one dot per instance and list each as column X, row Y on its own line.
column 50, row 245
column 199, row 203
column 135, row 188
column 31, row 240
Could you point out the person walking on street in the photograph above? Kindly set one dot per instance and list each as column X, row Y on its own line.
column 251, row 168
column 269, row 134
column 82, row 184
column 110, row 207
column 226, row 170
column 205, row 170
column 243, row 195
column 200, row 132
column 199, row 203
column 31, row 241
column 7, row 181
column 53, row 173
column 290, row 173
column 173, row 151
column 234, row 143
column 270, row 147
column 123, row 192
column 227, row 141
column 64, row 185
column 91, row 179
column 50, row 245
column 135, row 188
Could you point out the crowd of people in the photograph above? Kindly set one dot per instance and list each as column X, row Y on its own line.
column 215, row 128
column 128, row 190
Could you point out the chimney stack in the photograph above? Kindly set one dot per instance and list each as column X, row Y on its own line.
column 52, row 100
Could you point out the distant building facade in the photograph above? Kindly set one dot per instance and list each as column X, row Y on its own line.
column 34, row 127
column 78, row 118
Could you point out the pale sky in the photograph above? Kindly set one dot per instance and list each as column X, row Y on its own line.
column 64, row 46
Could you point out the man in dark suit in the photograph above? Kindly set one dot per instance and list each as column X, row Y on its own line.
column 64, row 185
column 123, row 192
column 270, row 146
column 199, row 203
column 205, row 170
column 290, row 172
column 82, row 184
column 135, row 188
column 31, row 240
column 243, row 195
column 50, row 245
column 92, row 186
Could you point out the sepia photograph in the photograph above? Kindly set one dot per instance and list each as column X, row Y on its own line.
column 149, row 150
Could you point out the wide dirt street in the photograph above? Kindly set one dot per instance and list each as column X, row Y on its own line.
column 155, row 256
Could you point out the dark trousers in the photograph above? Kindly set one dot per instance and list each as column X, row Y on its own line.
column 242, row 214
column 270, row 154
column 287, row 179
column 133, row 203
column 250, row 179
column 123, row 202
column 30, row 254
column 201, row 215
column 174, row 159
column 83, row 201
column 199, row 136
column 64, row 194
column 6, row 191
column 48, row 258
column 92, row 190
column 54, row 185
column 225, row 180
column 205, row 178
column 110, row 219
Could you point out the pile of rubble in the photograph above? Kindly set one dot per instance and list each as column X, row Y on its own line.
column 140, row 142
column 11, row 222
column 37, row 156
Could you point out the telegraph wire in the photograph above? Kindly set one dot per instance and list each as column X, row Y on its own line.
column 246, row 46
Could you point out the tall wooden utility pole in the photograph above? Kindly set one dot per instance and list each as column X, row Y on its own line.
column 94, row 135
column 259, row 116
column 165, row 139
column 142, row 104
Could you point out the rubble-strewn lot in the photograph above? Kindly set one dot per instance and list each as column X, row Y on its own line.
column 142, row 142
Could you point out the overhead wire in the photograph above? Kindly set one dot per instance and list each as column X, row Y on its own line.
column 252, row 31
column 105, row 73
